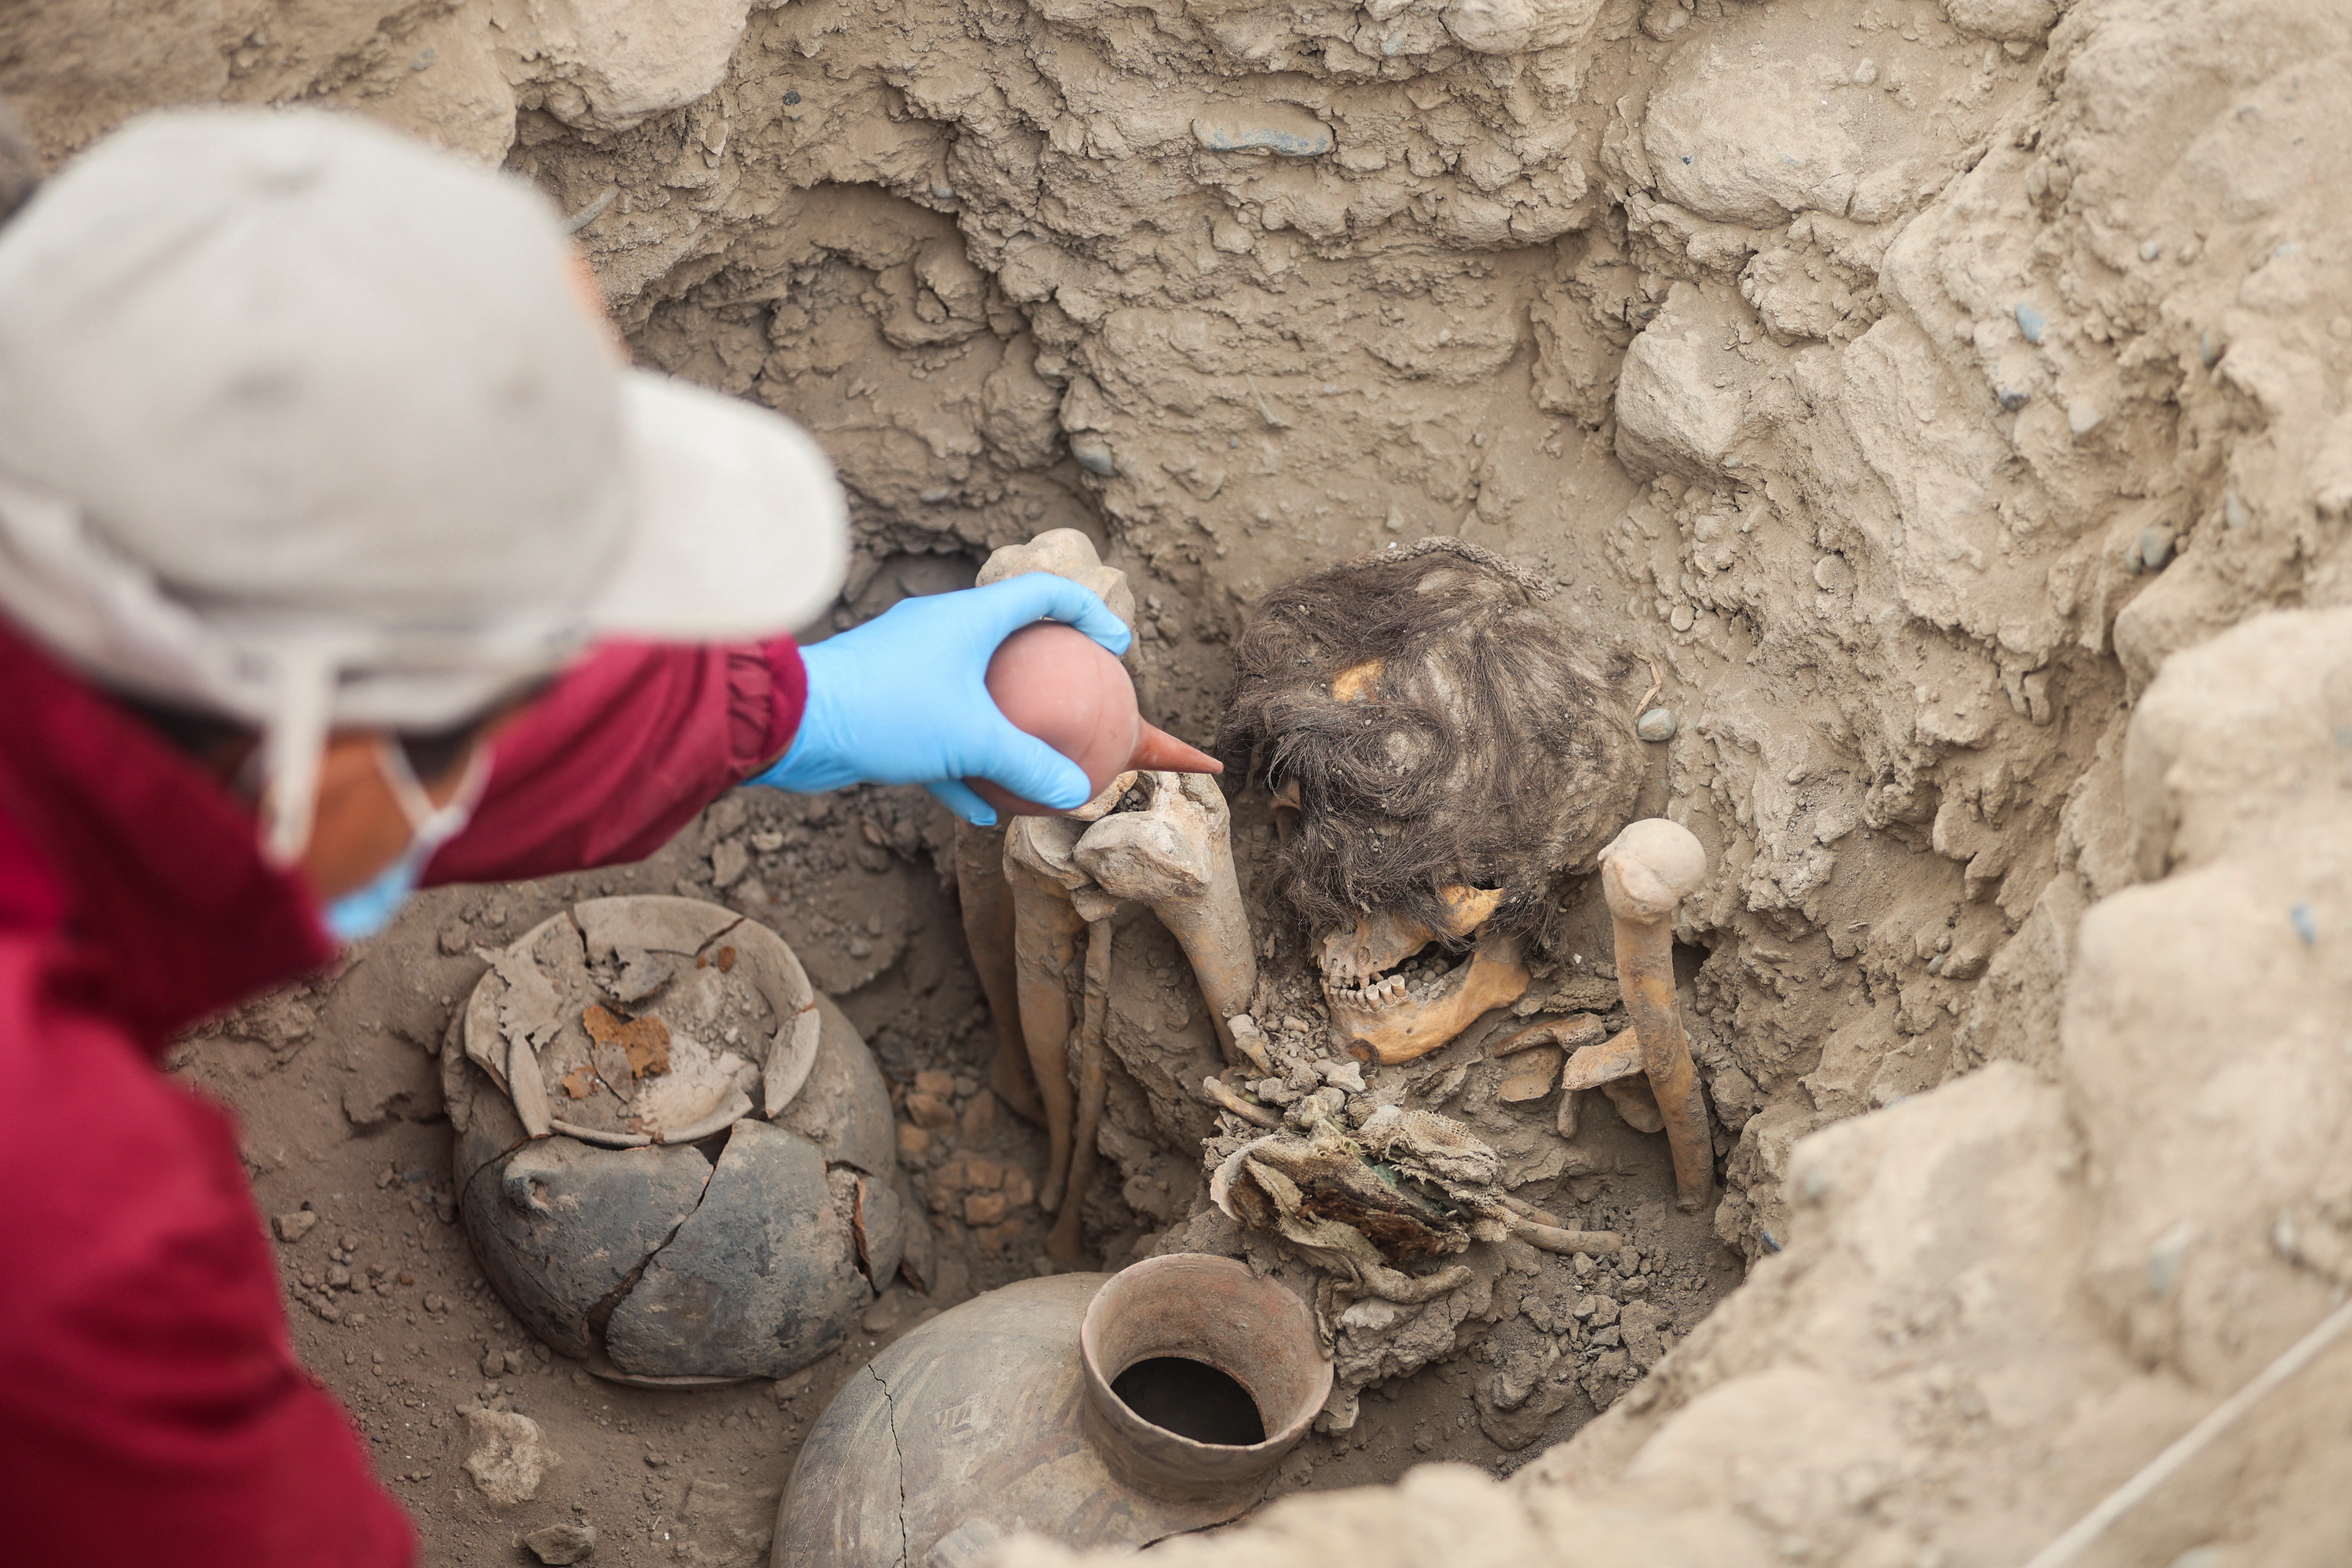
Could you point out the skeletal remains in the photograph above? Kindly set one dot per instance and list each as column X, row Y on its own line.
column 1444, row 763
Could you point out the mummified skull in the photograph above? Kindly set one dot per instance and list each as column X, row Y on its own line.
column 1443, row 756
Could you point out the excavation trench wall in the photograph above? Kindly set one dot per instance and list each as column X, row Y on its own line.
column 1907, row 379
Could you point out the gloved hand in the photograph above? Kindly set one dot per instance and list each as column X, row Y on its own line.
column 904, row 698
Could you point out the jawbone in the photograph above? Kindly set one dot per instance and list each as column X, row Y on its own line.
column 1386, row 1023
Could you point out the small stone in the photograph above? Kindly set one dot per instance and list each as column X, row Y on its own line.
column 1093, row 453
column 454, row 938
column 2082, row 416
column 1019, row 1193
column 560, row 1544
column 1682, row 618
column 2031, row 321
column 996, row 1237
column 931, row 1113
column 1657, row 724
column 293, row 1227
column 2149, row 250
column 494, row 1362
column 1280, row 127
column 2014, row 398
column 1347, row 1076
column 1530, row 1075
column 982, row 1175
column 510, row 1457
column 2155, row 548
column 883, row 1314
column 932, row 1082
column 979, row 1117
column 1233, row 238
column 983, row 1208
column 729, row 861
column 1833, row 574
column 913, row 1142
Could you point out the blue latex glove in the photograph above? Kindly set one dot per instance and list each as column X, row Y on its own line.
column 904, row 700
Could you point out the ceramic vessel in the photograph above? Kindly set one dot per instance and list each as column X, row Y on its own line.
column 738, row 1204
column 1013, row 1412
column 1058, row 684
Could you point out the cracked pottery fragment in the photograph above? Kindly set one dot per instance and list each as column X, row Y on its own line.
column 659, row 1226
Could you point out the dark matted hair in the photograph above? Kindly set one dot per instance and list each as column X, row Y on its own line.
column 1474, row 740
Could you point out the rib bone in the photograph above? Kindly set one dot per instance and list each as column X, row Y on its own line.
column 1646, row 872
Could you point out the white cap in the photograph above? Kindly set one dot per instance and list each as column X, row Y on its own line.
column 301, row 424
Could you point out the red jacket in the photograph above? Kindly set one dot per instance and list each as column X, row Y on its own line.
column 152, row 1410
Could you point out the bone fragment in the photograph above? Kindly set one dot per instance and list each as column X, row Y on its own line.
column 1531, row 1076
column 1223, row 1096
column 1551, row 1238
column 1604, row 1061
column 1045, row 927
column 987, row 906
column 1564, row 1121
column 1176, row 858
column 1414, row 1290
column 1572, row 1033
column 1525, row 1210
column 1645, row 873
column 1067, row 1241
column 1249, row 1041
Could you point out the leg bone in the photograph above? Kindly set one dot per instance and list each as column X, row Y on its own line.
column 1067, row 1241
column 987, row 906
column 1646, row 872
column 1045, row 927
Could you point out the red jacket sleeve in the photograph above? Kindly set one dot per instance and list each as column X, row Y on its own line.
column 151, row 1407
column 622, row 751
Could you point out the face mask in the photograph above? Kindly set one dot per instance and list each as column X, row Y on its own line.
column 364, row 912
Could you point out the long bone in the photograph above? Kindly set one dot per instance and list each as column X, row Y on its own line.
column 1176, row 858
column 986, row 902
column 1067, row 1241
column 1645, row 873
column 1045, row 927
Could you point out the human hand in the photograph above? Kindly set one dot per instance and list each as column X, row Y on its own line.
column 904, row 700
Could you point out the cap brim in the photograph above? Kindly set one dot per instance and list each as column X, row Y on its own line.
column 740, row 528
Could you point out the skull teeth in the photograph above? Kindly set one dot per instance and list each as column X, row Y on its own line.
column 1379, row 993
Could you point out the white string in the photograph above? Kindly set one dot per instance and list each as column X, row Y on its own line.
column 2161, row 1468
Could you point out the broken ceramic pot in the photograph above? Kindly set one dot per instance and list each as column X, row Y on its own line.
column 626, row 1193
column 1096, row 1411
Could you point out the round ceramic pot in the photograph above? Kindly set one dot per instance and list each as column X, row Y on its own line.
column 1013, row 1412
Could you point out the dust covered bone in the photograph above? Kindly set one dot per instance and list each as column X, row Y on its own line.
column 1443, row 756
